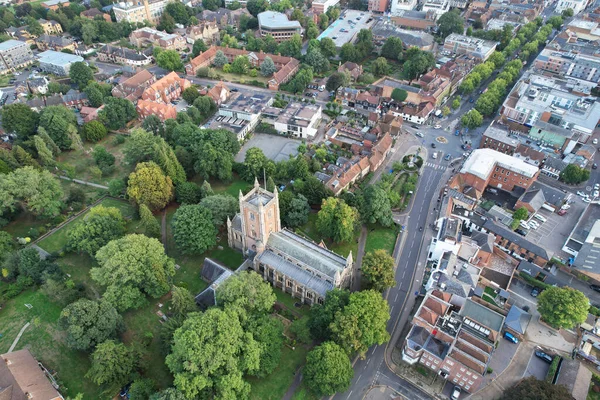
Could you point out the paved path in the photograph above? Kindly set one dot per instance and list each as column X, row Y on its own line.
column 356, row 275
column 294, row 386
column 66, row 178
column 14, row 344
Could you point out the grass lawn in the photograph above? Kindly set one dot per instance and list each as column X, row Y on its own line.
column 310, row 230
column 274, row 386
column 83, row 160
column 592, row 395
column 4, row 79
column 379, row 237
column 287, row 300
column 24, row 223
column 230, row 77
column 232, row 188
column 302, row 393
column 46, row 342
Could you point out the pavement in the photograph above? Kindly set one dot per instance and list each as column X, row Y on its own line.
column 276, row 148
column 536, row 367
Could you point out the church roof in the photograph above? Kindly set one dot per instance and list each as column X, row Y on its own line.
column 307, row 252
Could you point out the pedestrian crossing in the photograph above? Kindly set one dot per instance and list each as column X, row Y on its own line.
column 435, row 166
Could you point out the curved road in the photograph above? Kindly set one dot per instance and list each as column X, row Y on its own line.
column 374, row 368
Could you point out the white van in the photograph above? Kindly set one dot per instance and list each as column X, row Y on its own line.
column 524, row 224
column 539, row 217
column 434, row 155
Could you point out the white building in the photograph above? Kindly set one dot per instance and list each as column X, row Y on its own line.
column 14, row 54
column 296, row 119
column 56, row 62
column 576, row 5
column 321, row 6
column 437, row 6
column 398, row 5
column 242, row 114
column 140, row 11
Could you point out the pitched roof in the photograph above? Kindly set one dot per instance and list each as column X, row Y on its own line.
column 20, row 375
column 517, row 319
column 535, row 198
column 516, row 239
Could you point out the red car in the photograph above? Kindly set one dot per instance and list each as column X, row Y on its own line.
column 562, row 212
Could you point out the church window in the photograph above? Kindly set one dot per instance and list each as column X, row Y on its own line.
column 320, row 300
column 309, row 295
column 252, row 216
column 289, row 283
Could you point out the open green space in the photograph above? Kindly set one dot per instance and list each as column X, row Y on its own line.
column 232, row 188
column 344, row 248
column 379, row 237
column 46, row 342
column 26, row 224
column 231, row 77
column 288, row 301
column 302, row 393
column 5, row 79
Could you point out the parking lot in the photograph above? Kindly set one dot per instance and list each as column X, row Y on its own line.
column 536, row 367
column 345, row 28
column 276, row 148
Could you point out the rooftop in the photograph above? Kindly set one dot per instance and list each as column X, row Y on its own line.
column 24, row 379
column 58, row 58
column 586, row 223
column 483, row 315
column 274, row 19
column 516, row 239
column 9, row 44
column 517, row 319
column 500, row 134
column 481, row 162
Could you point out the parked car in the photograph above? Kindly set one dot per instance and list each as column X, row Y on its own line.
column 471, row 100
column 233, row 90
column 510, row 337
column 521, row 232
column 414, row 126
column 595, row 288
column 433, row 145
column 434, row 155
column 546, row 357
column 455, row 393
column 563, row 212
column 419, row 134
column 596, row 193
column 595, row 141
column 438, row 126
column 597, row 186
column 594, row 166
column 580, row 193
column 535, row 291
column 448, row 156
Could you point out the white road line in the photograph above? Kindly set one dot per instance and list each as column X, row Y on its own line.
column 358, row 378
column 368, row 360
column 373, row 351
column 349, row 394
column 398, row 294
column 392, row 310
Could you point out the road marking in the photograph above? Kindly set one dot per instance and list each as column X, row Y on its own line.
column 358, row 379
column 392, row 310
column 368, row 360
column 398, row 294
column 373, row 351
column 349, row 394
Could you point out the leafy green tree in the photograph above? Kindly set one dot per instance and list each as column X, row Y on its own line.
column 417, row 62
column 20, row 119
column 94, row 95
column 190, row 94
column 211, row 352
column 199, row 47
column 377, row 207
column 392, row 48
column 104, row 160
column 294, row 209
column 328, row 48
column 317, row 60
column 451, row 22
column 556, row 21
column 255, row 7
column 112, row 363
column 472, row 119
column 81, row 74
column 337, row 220
column 193, row 228
column 93, row 131
column 574, row 174
column 148, row 185
column 267, row 68
column 268, row 332
column 497, row 58
column 142, row 388
column 301, row 330
column 323, row 21
column 132, row 267
column 169, row 60
column 378, row 270
column 154, row 125
column 148, row 222
column 362, row 323
column 56, row 120
column 89, row 323
column 117, row 113
column 220, row 59
column 187, row 193
column 568, row 13
column 7, row 245
column 380, row 67
column 38, row 192
column 221, row 207
column 563, row 307
column 322, row 315
column 179, row 13
column 240, row 65
column 328, row 369
column 116, row 187
column 533, row 389
column 291, row 47
column 168, row 394
column 44, row 154
column 456, row 103
column 206, row 190
column 23, row 158
column 182, row 301
column 399, row 95
column 336, row 80
column 349, row 52
column 521, row 213
column 246, row 291
column 98, row 227
column 486, row 103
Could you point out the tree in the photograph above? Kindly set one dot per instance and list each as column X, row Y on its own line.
column 392, row 48
column 532, row 389
column 456, row 103
column 377, row 206
column 199, row 47
column 116, row 187
column 446, row 111
column 38, row 192
column 291, row 47
column 240, row 65
column 246, row 291
column 349, row 52
column 193, row 228
column 179, row 13
column 322, row 315
column 93, row 131
column 255, row 7
column 182, row 301
column 379, row 67
column 23, row 158
column 20, row 119
column 255, row 161
column 148, row 185
column 451, row 22
column 168, row 394
column 210, row 354
column 563, row 307
column 323, row 21
column 574, row 174
column 417, row 62
column 521, row 213
column 57, row 121
column 221, row 207
column 44, row 153
column 89, row 323
column 312, row 32
column 399, row 95
column 206, row 190
column 294, row 209
column 112, row 363
column 267, row 68
column 328, row 369
column 141, row 388
column 220, row 59
column 148, row 222
column 556, row 21
column 190, row 94
column 117, row 113
column 81, row 74
column 378, row 270
column 362, row 323
column 98, row 227
column 327, row 46
column 7, row 245
column 132, row 267
column 336, row 80
column 316, row 60
column 472, row 119
column 169, row 60
column 567, row 13
column 337, row 220
column 94, row 95
column 154, row 125
column 497, row 58
column 301, row 330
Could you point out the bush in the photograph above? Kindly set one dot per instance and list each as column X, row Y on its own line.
column 534, row 282
column 119, row 139
column 553, row 368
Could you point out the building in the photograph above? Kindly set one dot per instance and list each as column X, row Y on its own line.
column 499, row 139
column 377, row 6
column 144, row 37
column 487, row 167
column 454, row 337
column 133, row 87
column 123, row 55
column 321, row 6
column 163, row 111
column 298, row 266
column 93, row 13
column 286, row 66
column 166, row 89
column 352, row 69
column 414, row 113
column 242, row 113
column 561, row 102
column 56, row 43
column 14, row 55
column 410, row 19
column 56, row 62
column 224, row 17
column 474, row 47
column 439, row 7
column 516, row 245
column 37, row 85
column 583, row 242
column 295, row 119
column 140, row 11
column 206, row 31
column 55, row 4
column 22, row 34
column 398, row 5
column 568, row 64
column 219, row 93
column 576, row 5
column 410, row 38
column 50, row 27
column 277, row 25
column 22, row 378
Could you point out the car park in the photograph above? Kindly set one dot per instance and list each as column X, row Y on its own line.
column 510, row 337
column 546, row 357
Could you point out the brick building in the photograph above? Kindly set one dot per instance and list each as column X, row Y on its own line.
column 167, row 89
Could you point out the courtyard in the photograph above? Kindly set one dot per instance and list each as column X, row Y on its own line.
column 276, row 148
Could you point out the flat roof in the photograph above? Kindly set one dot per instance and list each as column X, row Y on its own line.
column 274, row 19
column 58, row 58
column 346, row 27
column 586, row 222
column 9, row 44
column 481, row 162
column 482, row 314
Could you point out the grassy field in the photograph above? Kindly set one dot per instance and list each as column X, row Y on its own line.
column 46, row 342
column 380, row 238
column 232, row 188
column 83, row 160
column 230, row 77
column 310, row 230
column 23, row 225
column 287, row 300
column 302, row 393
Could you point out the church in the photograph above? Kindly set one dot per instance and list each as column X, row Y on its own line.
column 290, row 262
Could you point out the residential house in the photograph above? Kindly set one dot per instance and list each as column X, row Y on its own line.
column 206, row 31
column 37, row 85
column 219, row 93
column 92, row 13
column 50, row 27
column 163, row 111
column 133, row 87
column 123, row 55
column 353, row 69
column 22, row 34
column 54, row 4
column 144, row 37
column 56, row 43
column 414, row 113
column 90, row 113
column 22, row 378
column 366, row 102
column 166, row 89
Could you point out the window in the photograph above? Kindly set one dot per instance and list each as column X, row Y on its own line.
column 251, row 216
column 309, row 295
column 462, row 369
column 458, row 375
column 471, row 382
column 289, row 283
column 454, row 380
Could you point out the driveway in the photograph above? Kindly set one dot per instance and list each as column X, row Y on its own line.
column 536, row 367
column 276, row 148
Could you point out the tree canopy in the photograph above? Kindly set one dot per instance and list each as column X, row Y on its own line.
column 534, row 389
column 322, row 315
column 451, row 22
column 193, row 229
column 574, row 174
column 81, row 74
column 221, row 206
column 20, row 119
column 247, row 291
column 38, row 192
column 117, row 113
column 472, row 119
column 378, row 270
column 563, row 307
column 328, row 369
column 148, row 185
column 98, row 227
column 337, row 220
column 112, row 363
